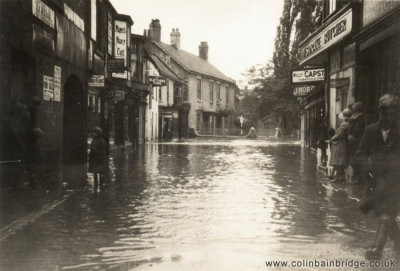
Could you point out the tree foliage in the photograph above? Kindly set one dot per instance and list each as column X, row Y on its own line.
column 272, row 81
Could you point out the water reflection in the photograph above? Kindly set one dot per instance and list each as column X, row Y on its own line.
column 198, row 205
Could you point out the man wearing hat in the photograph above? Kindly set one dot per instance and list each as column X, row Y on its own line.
column 378, row 155
column 98, row 157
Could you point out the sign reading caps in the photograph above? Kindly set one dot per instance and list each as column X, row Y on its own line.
column 308, row 75
column 372, row 10
column 303, row 90
column 120, row 40
column 157, row 80
column 334, row 32
column 115, row 65
column 43, row 12
column 96, row 80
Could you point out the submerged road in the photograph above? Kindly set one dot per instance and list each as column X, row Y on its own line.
column 202, row 205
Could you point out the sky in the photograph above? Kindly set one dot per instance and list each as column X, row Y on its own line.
column 239, row 33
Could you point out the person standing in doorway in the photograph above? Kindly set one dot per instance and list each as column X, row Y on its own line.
column 356, row 129
column 339, row 155
column 98, row 157
column 378, row 156
column 322, row 136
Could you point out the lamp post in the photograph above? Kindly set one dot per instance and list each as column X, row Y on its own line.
column 241, row 119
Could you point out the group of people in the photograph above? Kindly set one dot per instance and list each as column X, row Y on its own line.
column 373, row 152
column 21, row 152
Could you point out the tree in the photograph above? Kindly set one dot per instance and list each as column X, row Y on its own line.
column 272, row 81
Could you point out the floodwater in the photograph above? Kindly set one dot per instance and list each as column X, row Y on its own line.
column 203, row 205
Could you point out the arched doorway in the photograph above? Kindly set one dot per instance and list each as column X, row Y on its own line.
column 74, row 131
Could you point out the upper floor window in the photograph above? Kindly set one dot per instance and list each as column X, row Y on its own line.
column 218, row 93
column 198, row 89
column 211, row 92
column 227, row 95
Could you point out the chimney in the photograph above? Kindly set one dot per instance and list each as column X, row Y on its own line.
column 203, row 50
column 155, row 30
column 176, row 38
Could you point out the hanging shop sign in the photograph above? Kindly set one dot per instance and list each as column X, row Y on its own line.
column 308, row 75
column 120, row 75
column 115, row 65
column 43, row 12
column 120, row 40
column 57, row 83
column 116, row 95
column 333, row 33
column 373, row 10
column 303, row 90
column 96, row 80
column 157, row 81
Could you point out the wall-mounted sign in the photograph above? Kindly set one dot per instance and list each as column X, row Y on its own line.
column 109, row 33
column 157, row 81
column 57, row 83
column 48, row 88
column 43, row 12
column 303, row 90
column 74, row 17
column 43, row 39
column 120, row 40
column 116, row 95
column 120, row 75
column 373, row 10
column 308, row 75
column 115, row 65
column 330, row 35
column 96, row 80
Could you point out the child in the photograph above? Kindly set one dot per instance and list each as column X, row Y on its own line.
column 98, row 157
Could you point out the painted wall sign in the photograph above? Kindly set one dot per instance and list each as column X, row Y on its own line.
column 120, row 40
column 115, row 65
column 157, row 80
column 303, row 90
column 48, row 88
column 43, row 12
column 73, row 17
column 57, row 83
column 96, row 80
column 43, row 39
column 333, row 33
column 308, row 75
column 71, row 42
column 373, row 10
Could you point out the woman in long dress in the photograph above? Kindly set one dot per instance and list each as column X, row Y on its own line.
column 339, row 153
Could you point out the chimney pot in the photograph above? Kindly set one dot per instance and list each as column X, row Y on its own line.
column 203, row 50
column 175, row 37
column 155, row 30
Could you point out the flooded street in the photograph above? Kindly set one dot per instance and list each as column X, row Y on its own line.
column 223, row 205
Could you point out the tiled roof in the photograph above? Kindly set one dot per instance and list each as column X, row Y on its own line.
column 192, row 62
column 164, row 70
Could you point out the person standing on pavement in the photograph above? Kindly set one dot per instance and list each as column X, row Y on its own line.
column 339, row 155
column 322, row 136
column 98, row 157
column 378, row 156
column 356, row 129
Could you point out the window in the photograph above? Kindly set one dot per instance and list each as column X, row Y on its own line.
column 92, row 103
column 199, row 89
column 98, row 105
column 198, row 119
column 159, row 94
column 211, row 92
column 227, row 95
column 185, row 94
column 218, row 93
column 177, row 95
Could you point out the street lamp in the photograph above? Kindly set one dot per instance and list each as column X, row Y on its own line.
column 241, row 119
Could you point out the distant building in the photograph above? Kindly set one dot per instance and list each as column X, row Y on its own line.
column 203, row 97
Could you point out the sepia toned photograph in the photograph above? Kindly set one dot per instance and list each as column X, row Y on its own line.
column 203, row 135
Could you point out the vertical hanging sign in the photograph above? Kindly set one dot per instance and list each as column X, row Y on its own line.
column 57, row 83
column 109, row 33
column 48, row 88
column 120, row 40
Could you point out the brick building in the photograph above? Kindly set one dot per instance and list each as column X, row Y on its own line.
column 43, row 46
